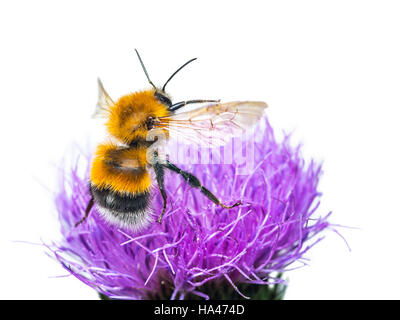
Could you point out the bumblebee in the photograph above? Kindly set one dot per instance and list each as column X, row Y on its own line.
column 120, row 181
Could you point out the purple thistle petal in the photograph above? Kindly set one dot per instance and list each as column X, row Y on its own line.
column 198, row 243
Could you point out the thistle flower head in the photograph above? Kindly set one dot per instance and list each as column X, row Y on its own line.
column 200, row 249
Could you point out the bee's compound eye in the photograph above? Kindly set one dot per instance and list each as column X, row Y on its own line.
column 150, row 123
column 163, row 99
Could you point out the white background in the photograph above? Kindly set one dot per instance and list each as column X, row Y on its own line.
column 329, row 70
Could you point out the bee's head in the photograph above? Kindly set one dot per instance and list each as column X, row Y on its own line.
column 134, row 115
column 162, row 97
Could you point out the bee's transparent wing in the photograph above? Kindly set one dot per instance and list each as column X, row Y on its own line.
column 104, row 102
column 214, row 124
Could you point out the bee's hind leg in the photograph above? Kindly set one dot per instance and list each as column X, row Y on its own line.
column 195, row 183
column 87, row 211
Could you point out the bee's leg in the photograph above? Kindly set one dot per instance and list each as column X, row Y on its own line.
column 181, row 104
column 195, row 183
column 87, row 211
column 159, row 171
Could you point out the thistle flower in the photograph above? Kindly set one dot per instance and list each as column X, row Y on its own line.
column 201, row 250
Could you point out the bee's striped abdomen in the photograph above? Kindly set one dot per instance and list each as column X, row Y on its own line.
column 125, row 210
column 120, row 185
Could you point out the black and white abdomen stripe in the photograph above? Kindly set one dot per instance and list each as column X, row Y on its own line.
column 130, row 211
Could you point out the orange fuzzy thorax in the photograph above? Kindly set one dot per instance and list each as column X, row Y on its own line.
column 132, row 177
column 127, row 117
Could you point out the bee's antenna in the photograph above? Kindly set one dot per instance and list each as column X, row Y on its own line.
column 163, row 88
column 144, row 69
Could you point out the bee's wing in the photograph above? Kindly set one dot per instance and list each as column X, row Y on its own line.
column 104, row 102
column 213, row 125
